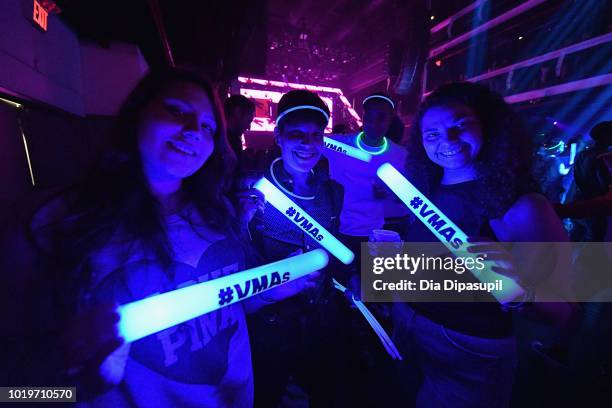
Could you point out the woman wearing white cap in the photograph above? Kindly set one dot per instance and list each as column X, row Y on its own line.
column 300, row 337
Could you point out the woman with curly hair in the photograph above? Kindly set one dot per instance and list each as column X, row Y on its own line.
column 470, row 155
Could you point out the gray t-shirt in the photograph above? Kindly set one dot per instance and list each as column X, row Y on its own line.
column 205, row 362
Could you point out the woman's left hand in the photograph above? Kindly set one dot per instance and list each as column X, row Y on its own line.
column 294, row 287
column 283, row 291
column 495, row 254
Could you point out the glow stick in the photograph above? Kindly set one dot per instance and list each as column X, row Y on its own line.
column 302, row 220
column 346, row 149
column 382, row 335
column 444, row 229
column 572, row 153
column 376, row 326
column 153, row 314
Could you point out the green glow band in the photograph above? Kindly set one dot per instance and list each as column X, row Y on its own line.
column 380, row 150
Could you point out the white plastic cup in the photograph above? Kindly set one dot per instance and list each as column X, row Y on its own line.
column 382, row 235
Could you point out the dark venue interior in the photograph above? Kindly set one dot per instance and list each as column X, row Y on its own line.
column 158, row 148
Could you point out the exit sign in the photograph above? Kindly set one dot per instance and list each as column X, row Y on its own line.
column 40, row 15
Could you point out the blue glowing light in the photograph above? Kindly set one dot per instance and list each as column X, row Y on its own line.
column 375, row 150
column 444, row 229
column 374, row 324
column 153, row 314
column 477, row 50
column 564, row 170
column 304, row 221
column 302, row 107
column 389, row 100
column 559, row 146
column 573, row 148
column 349, row 150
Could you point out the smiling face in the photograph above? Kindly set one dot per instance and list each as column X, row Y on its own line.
column 452, row 138
column 301, row 144
column 176, row 132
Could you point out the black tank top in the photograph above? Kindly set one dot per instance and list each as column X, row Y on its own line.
column 484, row 319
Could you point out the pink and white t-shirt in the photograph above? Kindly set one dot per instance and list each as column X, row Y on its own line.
column 205, row 362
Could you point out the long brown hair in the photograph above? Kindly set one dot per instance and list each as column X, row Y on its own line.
column 115, row 197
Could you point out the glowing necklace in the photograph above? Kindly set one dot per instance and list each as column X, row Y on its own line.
column 283, row 188
column 380, row 150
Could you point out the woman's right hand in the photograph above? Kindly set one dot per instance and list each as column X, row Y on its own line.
column 87, row 343
column 249, row 202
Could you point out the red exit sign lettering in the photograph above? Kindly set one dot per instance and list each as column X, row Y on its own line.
column 40, row 15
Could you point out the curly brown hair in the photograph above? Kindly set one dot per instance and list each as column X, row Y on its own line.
column 504, row 162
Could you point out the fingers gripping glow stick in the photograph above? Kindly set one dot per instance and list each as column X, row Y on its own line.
column 304, row 221
column 344, row 148
column 444, row 229
column 151, row 315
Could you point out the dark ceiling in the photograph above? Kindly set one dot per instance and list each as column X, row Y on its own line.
column 214, row 36
column 353, row 44
column 357, row 24
column 357, row 45
column 223, row 37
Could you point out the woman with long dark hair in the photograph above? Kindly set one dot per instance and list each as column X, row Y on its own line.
column 152, row 218
column 470, row 155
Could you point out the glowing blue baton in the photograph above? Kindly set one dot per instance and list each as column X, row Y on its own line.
column 348, row 150
column 376, row 326
column 304, row 221
column 153, row 314
column 443, row 228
